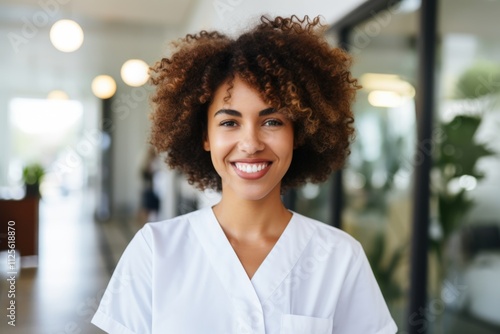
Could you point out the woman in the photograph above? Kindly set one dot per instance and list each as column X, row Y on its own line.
column 250, row 116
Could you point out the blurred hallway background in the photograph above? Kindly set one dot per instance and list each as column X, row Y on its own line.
column 92, row 150
column 101, row 183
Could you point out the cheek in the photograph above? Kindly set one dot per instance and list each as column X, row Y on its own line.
column 288, row 151
column 283, row 149
column 286, row 144
column 219, row 145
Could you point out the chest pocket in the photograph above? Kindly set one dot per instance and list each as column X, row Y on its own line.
column 298, row 324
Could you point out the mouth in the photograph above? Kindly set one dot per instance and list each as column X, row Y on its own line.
column 251, row 170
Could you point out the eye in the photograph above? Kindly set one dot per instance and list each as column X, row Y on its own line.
column 228, row 123
column 273, row 122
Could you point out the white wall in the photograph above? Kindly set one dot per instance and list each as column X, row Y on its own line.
column 131, row 107
column 35, row 67
column 4, row 138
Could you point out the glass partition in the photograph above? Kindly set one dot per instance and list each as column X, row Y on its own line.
column 465, row 254
column 378, row 178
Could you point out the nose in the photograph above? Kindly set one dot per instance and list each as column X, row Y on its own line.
column 250, row 142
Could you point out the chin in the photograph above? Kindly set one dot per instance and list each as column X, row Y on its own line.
column 250, row 193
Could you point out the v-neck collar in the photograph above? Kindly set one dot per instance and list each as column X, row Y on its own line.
column 272, row 271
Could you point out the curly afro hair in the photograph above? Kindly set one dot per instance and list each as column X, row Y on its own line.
column 294, row 69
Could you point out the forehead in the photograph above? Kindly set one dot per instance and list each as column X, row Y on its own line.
column 237, row 92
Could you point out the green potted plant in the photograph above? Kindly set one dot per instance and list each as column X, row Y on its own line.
column 32, row 177
column 458, row 152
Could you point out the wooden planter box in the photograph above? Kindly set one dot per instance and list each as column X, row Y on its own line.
column 25, row 215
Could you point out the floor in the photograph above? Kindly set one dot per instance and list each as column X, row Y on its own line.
column 76, row 255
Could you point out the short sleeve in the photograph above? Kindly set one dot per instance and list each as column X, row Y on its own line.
column 361, row 307
column 126, row 304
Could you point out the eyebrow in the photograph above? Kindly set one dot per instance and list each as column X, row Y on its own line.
column 236, row 113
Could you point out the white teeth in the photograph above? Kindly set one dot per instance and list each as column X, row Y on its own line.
column 251, row 168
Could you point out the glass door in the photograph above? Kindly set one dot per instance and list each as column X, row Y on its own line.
column 465, row 257
column 378, row 179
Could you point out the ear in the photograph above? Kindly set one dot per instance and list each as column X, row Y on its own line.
column 206, row 143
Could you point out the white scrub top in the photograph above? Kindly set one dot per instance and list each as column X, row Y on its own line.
column 182, row 276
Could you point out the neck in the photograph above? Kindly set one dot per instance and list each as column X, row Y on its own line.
column 251, row 220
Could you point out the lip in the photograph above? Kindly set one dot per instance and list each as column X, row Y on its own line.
column 251, row 176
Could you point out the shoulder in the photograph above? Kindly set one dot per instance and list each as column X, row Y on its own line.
column 171, row 230
column 330, row 237
column 178, row 222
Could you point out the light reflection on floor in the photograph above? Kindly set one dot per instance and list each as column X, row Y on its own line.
column 61, row 294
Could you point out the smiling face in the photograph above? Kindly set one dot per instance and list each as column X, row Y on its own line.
column 250, row 143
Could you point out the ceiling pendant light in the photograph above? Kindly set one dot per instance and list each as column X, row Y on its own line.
column 103, row 86
column 66, row 35
column 134, row 72
column 57, row 95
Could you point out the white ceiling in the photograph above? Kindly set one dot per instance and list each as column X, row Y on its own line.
column 115, row 31
column 162, row 12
